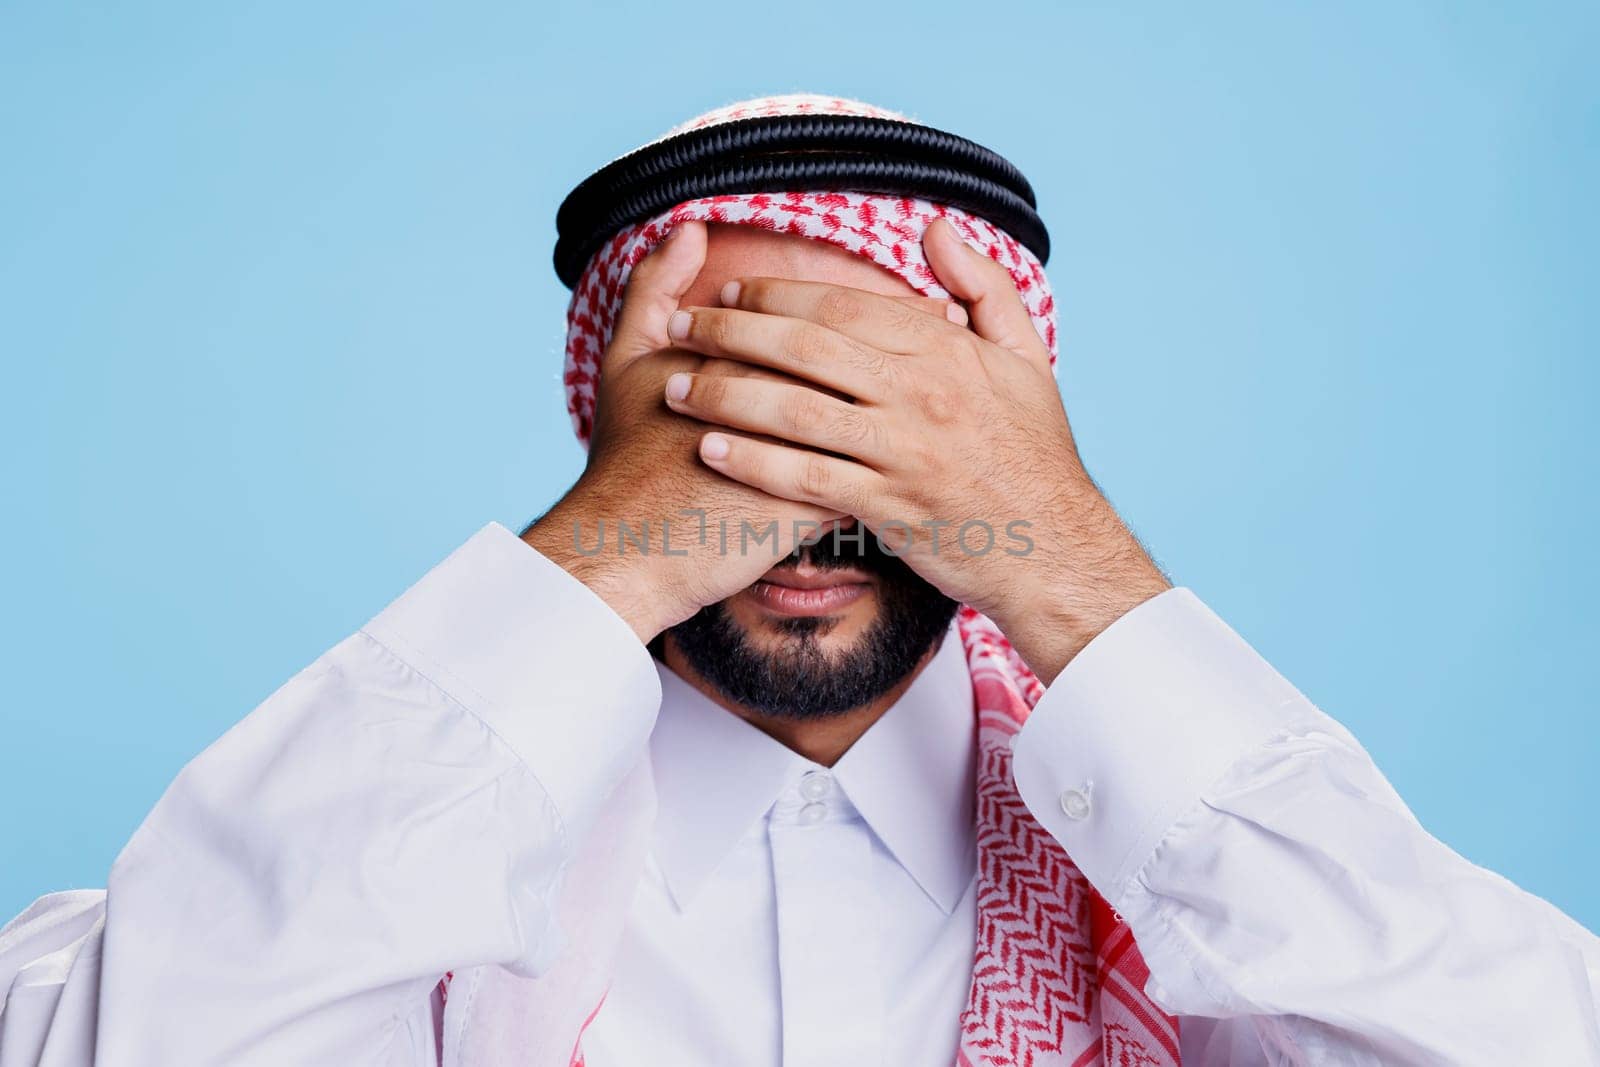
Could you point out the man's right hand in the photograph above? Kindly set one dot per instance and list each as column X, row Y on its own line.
column 644, row 470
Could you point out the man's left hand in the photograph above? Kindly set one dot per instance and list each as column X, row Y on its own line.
column 950, row 444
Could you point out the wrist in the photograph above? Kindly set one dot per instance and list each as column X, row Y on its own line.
column 1088, row 583
column 1058, row 622
column 566, row 535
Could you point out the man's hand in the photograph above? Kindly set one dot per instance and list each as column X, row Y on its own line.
column 642, row 471
column 951, row 444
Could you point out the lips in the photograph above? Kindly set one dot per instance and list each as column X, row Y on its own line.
column 795, row 578
column 796, row 592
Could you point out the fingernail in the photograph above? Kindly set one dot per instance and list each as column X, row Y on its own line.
column 730, row 294
column 714, row 446
column 678, row 325
column 677, row 387
column 956, row 314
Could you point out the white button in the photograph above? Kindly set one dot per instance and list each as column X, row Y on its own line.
column 812, row 814
column 814, row 786
column 1075, row 804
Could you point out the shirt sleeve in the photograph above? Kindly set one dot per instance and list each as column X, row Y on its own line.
column 1289, row 906
column 403, row 807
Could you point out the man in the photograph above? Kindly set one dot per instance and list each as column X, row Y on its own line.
column 837, row 818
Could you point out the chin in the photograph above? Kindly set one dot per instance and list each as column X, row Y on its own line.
column 792, row 655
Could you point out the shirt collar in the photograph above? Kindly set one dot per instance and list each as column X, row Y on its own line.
column 911, row 777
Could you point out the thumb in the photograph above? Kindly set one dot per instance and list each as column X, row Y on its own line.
column 655, row 286
column 997, row 311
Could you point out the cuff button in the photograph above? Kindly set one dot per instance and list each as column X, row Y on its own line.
column 1075, row 804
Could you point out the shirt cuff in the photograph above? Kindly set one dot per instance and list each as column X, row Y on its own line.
column 1138, row 726
column 539, row 658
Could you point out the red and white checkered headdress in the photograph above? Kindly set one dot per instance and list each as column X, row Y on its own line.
column 885, row 229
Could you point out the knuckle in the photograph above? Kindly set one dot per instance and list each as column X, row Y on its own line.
column 906, row 319
column 708, row 391
column 748, row 462
column 806, row 344
column 872, row 362
column 939, row 404
column 849, row 426
column 801, row 409
column 922, row 458
column 711, row 327
column 756, row 294
column 838, row 307
column 814, row 477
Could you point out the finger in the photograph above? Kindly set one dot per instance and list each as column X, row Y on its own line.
column 795, row 524
column 998, row 314
column 940, row 307
column 888, row 323
column 808, row 523
column 794, row 346
column 779, row 409
column 793, row 473
column 655, row 286
column 937, row 306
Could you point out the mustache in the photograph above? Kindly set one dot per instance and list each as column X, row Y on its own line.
column 855, row 548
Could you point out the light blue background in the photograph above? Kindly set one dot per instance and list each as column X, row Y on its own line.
column 279, row 330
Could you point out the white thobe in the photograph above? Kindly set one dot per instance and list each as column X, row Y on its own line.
column 410, row 803
column 800, row 915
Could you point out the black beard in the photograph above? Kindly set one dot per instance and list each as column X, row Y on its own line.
column 799, row 680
